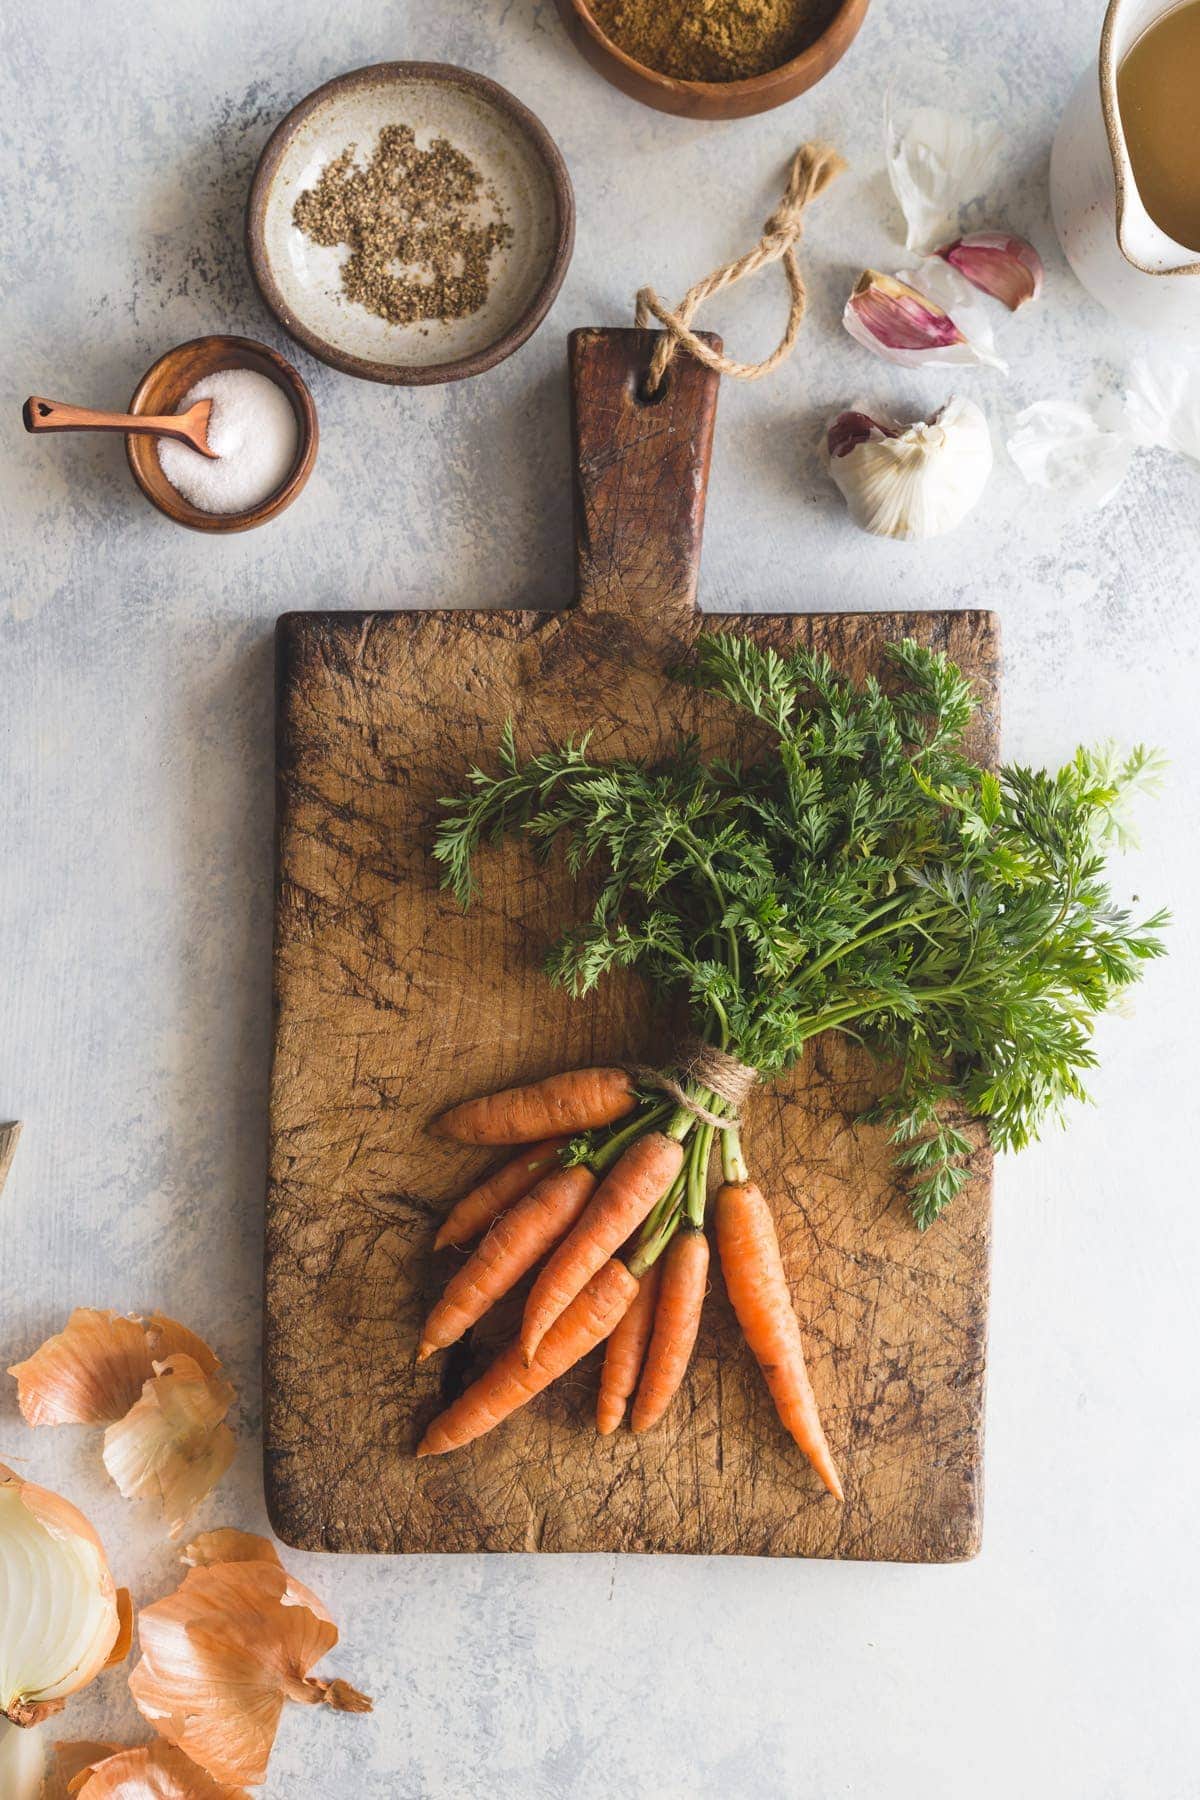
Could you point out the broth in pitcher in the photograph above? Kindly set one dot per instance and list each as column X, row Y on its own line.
column 1158, row 93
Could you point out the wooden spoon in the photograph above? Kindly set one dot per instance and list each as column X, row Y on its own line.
column 190, row 427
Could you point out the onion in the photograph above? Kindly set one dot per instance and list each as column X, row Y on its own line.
column 158, row 1389
column 69, row 1760
column 21, row 1763
column 222, row 1654
column 172, row 1445
column 63, row 1619
column 151, row 1772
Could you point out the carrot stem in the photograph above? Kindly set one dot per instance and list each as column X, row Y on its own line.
column 733, row 1163
column 606, row 1154
column 649, row 1249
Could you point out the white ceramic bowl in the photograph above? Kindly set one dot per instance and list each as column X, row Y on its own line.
column 520, row 164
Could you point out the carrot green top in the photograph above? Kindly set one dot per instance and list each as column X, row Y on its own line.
column 858, row 871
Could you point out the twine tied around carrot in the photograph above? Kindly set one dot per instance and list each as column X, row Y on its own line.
column 813, row 167
column 701, row 1065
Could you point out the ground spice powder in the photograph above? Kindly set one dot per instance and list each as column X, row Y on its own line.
column 416, row 222
column 713, row 40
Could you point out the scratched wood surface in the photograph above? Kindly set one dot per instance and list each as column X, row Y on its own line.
column 392, row 1004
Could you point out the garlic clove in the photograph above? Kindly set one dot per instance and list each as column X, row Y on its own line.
column 150, row 1772
column 1007, row 268
column 887, row 315
column 173, row 1445
column 222, row 1654
column 62, row 1620
column 971, row 311
column 914, row 481
column 936, row 164
column 895, row 320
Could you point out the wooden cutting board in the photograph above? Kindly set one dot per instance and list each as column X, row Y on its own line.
column 392, row 1004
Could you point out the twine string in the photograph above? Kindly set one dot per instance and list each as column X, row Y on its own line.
column 701, row 1065
column 813, row 167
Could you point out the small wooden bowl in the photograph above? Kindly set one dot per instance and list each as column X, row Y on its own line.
column 518, row 159
column 713, row 99
column 161, row 390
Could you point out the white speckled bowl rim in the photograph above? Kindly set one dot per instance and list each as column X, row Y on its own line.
column 514, row 153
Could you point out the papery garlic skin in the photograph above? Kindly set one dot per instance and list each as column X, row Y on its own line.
column 891, row 317
column 915, row 481
column 1083, row 455
column 1007, row 268
column 936, row 164
column 62, row 1621
column 972, row 311
column 1162, row 403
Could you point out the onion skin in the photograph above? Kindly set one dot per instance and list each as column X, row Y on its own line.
column 157, row 1389
column 147, row 1772
column 96, row 1368
column 222, row 1654
column 110, row 1639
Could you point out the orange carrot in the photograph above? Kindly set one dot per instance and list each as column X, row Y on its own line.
column 518, row 1239
column 510, row 1382
column 476, row 1210
column 639, row 1178
column 758, row 1291
column 577, row 1101
column 676, row 1322
column 623, row 1357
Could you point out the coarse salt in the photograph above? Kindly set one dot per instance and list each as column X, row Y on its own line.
column 253, row 430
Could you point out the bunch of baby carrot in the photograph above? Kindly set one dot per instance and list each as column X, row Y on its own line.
column 611, row 1189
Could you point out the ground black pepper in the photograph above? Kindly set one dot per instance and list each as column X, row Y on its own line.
column 420, row 242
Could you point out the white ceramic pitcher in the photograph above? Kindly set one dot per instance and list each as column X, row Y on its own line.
column 1118, row 252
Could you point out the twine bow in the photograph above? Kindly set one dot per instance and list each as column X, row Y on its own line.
column 813, row 167
column 701, row 1065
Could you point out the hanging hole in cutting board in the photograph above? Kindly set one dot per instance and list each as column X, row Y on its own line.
column 648, row 396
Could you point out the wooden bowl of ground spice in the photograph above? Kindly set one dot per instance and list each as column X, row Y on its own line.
column 410, row 223
column 713, row 59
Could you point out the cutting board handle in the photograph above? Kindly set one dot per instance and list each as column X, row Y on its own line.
column 641, row 476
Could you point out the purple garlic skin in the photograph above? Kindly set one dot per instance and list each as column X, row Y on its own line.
column 890, row 315
column 850, row 429
column 1007, row 268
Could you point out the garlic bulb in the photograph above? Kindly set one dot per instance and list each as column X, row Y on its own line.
column 910, row 481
